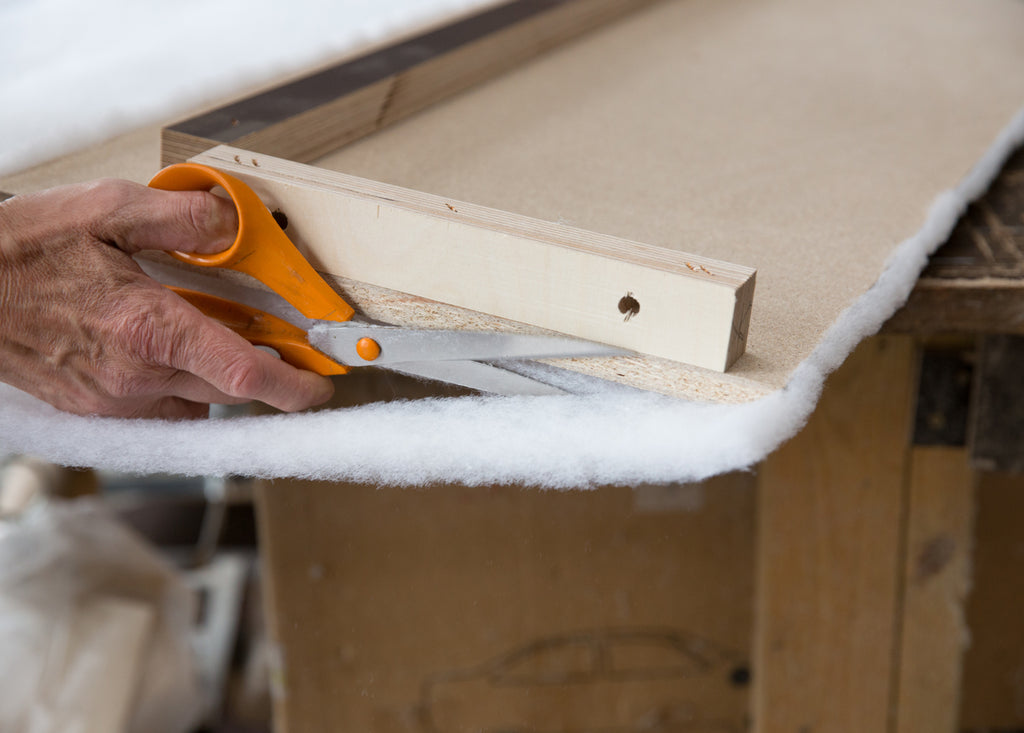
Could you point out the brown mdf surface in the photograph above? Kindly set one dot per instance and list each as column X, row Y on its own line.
column 132, row 156
column 937, row 571
column 831, row 508
column 457, row 609
column 806, row 140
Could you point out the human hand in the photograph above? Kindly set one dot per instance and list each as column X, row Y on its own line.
column 83, row 328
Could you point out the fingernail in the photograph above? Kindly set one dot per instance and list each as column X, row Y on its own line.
column 223, row 222
column 326, row 391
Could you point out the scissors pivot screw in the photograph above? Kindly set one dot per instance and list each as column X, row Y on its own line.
column 367, row 348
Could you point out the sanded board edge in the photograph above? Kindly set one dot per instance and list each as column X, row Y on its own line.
column 654, row 301
column 307, row 118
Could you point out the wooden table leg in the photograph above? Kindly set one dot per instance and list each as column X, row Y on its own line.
column 937, row 568
column 830, row 553
column 864, row 560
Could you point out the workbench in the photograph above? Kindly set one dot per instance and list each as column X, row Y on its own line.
column 872, row 566
column 867, row 575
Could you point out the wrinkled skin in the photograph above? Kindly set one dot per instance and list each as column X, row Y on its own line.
column 84, row 329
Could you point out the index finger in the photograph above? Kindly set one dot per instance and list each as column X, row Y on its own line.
column 136, row 217
column 235, row 367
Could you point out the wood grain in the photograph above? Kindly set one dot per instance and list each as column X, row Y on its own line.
column 974, row 283
column 379, row 590
column 934, row 631
column 993, row 690
column 309, row 117
column 831, row 508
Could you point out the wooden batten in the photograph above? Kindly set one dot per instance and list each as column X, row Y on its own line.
column 310, row 117
column 669, row 304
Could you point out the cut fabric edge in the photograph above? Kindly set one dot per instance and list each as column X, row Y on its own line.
column 608, row 436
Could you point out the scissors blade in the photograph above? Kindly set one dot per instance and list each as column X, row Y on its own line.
column 473, row 374
column 480, row 376
column 399, row 345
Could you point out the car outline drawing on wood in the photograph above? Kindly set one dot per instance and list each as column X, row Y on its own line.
column 614, row 680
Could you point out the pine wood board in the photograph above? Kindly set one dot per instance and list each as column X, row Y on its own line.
column 937, row 570
column 488, row 570
column 687, row 308
column 645, row 372
column 993, row 690
column 831, row 505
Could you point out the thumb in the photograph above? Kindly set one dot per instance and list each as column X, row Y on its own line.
column 138, row 217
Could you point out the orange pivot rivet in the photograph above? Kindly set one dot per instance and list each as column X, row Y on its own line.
column 367, row 348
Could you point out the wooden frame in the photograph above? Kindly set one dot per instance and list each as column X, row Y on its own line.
column 863, row 563
column 307, row 118
column 668, row 304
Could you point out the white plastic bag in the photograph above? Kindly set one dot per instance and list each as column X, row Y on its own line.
column 94, row 627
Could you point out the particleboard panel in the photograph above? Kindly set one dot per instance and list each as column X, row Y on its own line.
column 934, row 634
column 133, row 156
column 309, row 117
column 645, row 299
column 831, row 508
column 804, row 139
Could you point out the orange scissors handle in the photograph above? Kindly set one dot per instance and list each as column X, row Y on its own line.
column 261, row 249
column 264, row 329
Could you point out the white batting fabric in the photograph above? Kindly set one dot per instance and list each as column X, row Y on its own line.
column 608, row 436
column 73, row 74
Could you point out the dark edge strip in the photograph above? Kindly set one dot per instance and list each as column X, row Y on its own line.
column 229, row 123
column 5, row 196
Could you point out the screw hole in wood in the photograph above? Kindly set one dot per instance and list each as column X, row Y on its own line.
column 629, row 306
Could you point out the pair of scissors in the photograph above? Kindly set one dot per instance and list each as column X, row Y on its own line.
column 331, row 339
